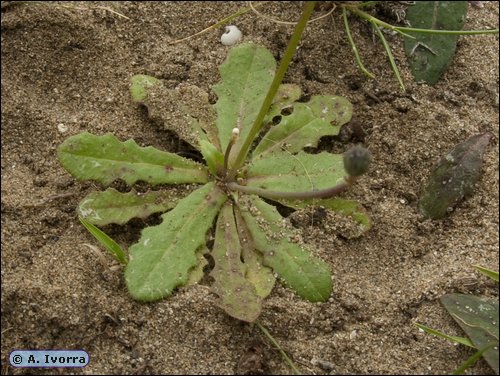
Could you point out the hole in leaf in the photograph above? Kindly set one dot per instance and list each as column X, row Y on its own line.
column 287, row 111
column 276, row 119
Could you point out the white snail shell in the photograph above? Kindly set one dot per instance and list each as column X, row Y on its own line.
column 231, row 36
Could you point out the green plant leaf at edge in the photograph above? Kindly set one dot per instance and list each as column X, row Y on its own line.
column 429, row 55
column 478, row 318
column 162, row 258
column 310, row 277
column 112, row 206
column 105, row 159
column 106, row 241
column 237, row 295
column 487, row 272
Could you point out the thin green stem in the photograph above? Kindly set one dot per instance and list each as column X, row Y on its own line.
column 296, row 371
column 287, row 57
column 307, row 195
column 389, row 55
column 473, row 359
column 403, row 30
column 353, row 45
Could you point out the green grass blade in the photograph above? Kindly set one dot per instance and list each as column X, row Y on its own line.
column 473, row 359
column 487, row 272
column 285, row 357
column 106, row 241
column 462, row 340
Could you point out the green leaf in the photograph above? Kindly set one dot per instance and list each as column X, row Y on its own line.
column 462, row 340
column 342, row 206
column 430, row 54
column 300, row 172
column 105, row 159
column 454, row 177
column 213, row 157
column 106, row 241
column 162, row 258
column 286, row 95
column 246, row 76
column 478, row 318
column 487, row 272
column 111, row 206
column 261, row 277
column 197, row 273
column 185, row 110
column 140, row 85
column 308, row 122
column 308, row 276
column 237, row 295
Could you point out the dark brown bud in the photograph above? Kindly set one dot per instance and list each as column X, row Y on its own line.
column 357, row 160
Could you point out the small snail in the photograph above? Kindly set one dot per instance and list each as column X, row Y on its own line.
column 231, row 36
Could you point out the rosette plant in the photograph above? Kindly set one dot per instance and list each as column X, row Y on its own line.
column 235, row 191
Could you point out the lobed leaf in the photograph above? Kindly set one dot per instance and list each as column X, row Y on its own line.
column 238, row 296
column 454, row 177
column 105, row 159
column 322, row 116
column 430, row 55
column 196, row 273
column 286, row 95
column 342, row 206
column 300, row 172
column 260, row 276
column 164, row 255
column 111, row 206
column 478, row 318
column 246, row 76
column 308, row 276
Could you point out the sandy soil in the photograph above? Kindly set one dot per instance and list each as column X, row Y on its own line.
column 67, row 70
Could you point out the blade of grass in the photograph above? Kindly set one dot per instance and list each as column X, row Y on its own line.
column 487, row 272
column 296, row 371
column 473, row 359
column 106, row 241
column 462, row 340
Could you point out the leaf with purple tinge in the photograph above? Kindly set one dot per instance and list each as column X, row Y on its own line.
column 454, row 177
